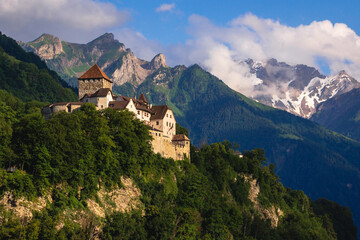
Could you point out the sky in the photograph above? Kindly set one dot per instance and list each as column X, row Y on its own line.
column 215, row 34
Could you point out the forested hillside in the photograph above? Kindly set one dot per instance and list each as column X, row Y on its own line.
column 307, row 156
column 27, row 77
column 341, row 114
column 69, row 158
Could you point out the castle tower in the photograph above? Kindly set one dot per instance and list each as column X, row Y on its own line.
column 92, row 80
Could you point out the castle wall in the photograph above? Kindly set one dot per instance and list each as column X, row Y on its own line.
column 103, row 102
column 48, row 111
column 168, row 149
column 92, row 85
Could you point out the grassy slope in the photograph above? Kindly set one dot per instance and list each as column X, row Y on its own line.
column 307, row 156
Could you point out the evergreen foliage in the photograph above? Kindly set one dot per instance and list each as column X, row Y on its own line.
column 26, row 76
column 204, row 199
column 307, row 156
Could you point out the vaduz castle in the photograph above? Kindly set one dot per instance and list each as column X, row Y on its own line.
column 95, row 87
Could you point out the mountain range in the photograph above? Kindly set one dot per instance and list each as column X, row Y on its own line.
column 71, row 59
column 341, row 114
column 297, row 89
column 307, row 156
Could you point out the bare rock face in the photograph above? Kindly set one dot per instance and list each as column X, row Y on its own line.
column 48, row 46
column 70, row 60
column 118, row 200
column 23, row 208
column 131, row 70
column 158, row 61
column 273, row 213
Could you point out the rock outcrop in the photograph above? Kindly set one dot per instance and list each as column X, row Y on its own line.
column 273, row 213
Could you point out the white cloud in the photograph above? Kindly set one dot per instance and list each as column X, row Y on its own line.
column 142, row 47
column 220, row 48
column 74, row 20
column 165, row 7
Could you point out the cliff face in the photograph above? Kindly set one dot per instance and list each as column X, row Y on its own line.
column 70, row 60
column 123, row 199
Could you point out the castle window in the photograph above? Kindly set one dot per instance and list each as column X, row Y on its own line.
column 170, row 116
column 87, row 100
column 167, row 115
column 102, row 106
column 157, row 122
column 138, row 112
column 69, row 108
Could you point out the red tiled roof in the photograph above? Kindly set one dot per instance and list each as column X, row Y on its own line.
column 142, row 98
column 180, row 137
column 94, row 73
column 159, row 111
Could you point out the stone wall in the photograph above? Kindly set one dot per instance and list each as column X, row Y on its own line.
column 48, row 111
column 163, row 145
column 92, row 85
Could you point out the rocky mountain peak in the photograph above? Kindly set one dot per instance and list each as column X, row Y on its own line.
column 48, row 46
column 45, row 37
column 158, row 61
column 103, row 39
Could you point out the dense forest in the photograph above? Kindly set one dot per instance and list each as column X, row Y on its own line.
column 207, row 198
column 27, row 77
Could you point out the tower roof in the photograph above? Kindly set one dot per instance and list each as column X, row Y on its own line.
column 142, row 98
column 94, row 73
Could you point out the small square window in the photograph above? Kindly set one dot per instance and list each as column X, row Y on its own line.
column 157, row 122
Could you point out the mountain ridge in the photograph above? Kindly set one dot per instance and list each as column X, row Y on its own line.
column 70, row 60
column 297, row 89
column 307, row 156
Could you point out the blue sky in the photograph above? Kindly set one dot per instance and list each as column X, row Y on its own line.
column 215, row 34
column 170, row 26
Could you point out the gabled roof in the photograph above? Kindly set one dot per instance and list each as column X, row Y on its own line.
column 94, row 73
column 180, row 137
column 102, row 92
column 139, row 104
column 118, row 104
column 142, row 98
column 159, row 111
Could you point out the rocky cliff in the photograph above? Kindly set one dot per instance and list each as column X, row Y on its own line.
column 70, row 60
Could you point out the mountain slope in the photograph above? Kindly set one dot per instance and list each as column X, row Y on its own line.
column 27, row 77
column 297, row 89
column 307, row 156
column 70, row 60
column 92, row 175
column 341, row 114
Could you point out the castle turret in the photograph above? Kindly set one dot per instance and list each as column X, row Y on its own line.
column 93, row 80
